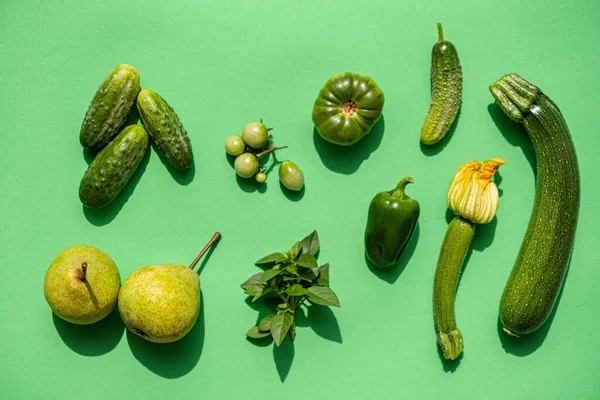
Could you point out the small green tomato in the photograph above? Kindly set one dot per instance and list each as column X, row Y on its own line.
column 291, row 176
column 246, row 165
column 255, row 134
column 235, row 145
column 260, row 177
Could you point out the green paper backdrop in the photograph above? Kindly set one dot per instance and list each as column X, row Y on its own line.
column 221, row 64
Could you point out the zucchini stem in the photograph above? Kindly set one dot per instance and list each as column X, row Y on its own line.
column 454, row 250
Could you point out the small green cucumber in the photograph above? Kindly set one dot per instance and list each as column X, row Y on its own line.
column 165, row 129
column 110, row 107
column 446, row 90
column 112, row 168
column 541, row 265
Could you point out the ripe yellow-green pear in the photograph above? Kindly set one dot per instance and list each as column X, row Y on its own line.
column 161, row 302
column 82, row 284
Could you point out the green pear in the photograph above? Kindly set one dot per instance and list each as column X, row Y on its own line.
column 161, row 303
column 82, row 285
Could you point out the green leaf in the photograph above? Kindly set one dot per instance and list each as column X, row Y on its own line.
column 255, row 333
column 323, row 295
column 295, row 250
column 309, row 275
column 282, row 258
column 307, row 261
column 280, row 325
column 270, row 259
column 296, row 290
column 269, row 274
column 265, row 324
column 253, row 280
column 323, row 275
column 310, row 244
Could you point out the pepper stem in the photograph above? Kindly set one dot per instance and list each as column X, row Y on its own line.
column 269, row 150
column 399, row 191
column 214, row 239
column 440, row 32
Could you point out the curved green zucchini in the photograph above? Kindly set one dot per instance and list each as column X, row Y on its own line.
column 165, row 129
column 110, row 107
column 446, row 90
column 541, row 265
column 112, row 168
column 454, row 249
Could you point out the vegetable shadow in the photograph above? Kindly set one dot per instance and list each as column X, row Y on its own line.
column 524, row 345
column 250, row 185
column 391, row 274
column 284, row 358
column 347, row 159
column 292, row 195
column 434, row 149
column 449, row 365
column 171, row 360
column 514, row 133
column 91, row 340
column 183, row 177
column 104, row 215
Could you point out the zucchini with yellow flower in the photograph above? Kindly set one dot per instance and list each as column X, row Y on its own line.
column 541, row 265
column 473, row 197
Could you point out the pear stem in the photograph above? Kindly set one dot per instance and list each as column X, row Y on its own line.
column 84, row 269
column 214, row 239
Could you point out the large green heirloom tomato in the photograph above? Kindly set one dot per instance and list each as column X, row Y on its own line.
column 347, row 107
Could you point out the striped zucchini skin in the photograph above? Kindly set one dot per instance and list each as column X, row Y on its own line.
column 446, row 90
column 113, row 167
column 541, row 265
column 165, row 129
column 110, row 107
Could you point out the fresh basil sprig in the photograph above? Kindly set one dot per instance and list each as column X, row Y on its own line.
column 293, row 277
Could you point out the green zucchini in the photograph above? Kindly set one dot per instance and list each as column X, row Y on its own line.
column 446, row 90
column 454, row 249
column 542, row 262
column 110, row 107
column 112, row 168
column 165, row 129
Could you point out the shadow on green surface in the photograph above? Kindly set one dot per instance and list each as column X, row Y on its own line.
column 524, row 345
column 88, row 156
column 183, row 177
column 91, row 340
column 347, row 159
column 249, row 185
column 449, row 365
column 291, row 194
column 514, row 133
column 171, row 360
column 104, row 215
column 284, row 357
column 433, row 149
column 391, row 274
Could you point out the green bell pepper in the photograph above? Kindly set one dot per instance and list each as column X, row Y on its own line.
column 391, row 221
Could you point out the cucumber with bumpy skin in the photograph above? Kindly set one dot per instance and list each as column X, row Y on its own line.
column 541, row 265
column 165, row 129
column 112, row 168
column 110, row 107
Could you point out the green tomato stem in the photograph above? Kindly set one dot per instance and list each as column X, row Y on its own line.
column 212, row 241
column 269, row 150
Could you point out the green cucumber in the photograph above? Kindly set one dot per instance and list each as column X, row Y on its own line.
column 454, row 250
column 112, row 168
column 446, row 90
column 165, row 129
column 110, row 107
column 541, row 266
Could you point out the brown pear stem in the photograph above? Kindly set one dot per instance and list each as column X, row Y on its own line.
column 214, row 239
column 84, row 270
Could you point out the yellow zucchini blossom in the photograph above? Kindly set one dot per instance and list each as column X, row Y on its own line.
column 472, row 194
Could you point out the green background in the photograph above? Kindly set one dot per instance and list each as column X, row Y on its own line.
column 222, row 64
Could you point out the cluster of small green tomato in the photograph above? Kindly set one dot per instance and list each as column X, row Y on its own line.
column 254, row 144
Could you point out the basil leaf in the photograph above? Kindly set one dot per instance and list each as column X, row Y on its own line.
column 265, row 324
column 269, row 274
column 296, row 290
column 323, row 295
column 292, row 269
column 253, row 280
column 253, row 290
column 280, row 325
column 324, row 274
column 255, row 333
column 270, row 259
column 309, row 275
column 263, row 292
column 307, row 261
column 310, row 244
column 296, row 250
